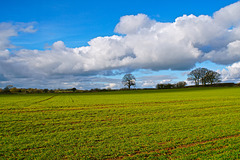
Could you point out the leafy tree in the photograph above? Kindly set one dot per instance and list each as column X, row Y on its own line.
column 165, row 86
column 45, row 90
column 129, row 80
column 23, row 90
column 15, row 90
column 74, row 89
column 169, row 86
column 181, row 84
column 160, row 86
column 7, row 88
column 51, row 91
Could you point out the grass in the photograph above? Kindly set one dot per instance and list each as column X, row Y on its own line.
column 156, row 124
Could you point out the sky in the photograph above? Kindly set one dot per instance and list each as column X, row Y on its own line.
column 93, row 44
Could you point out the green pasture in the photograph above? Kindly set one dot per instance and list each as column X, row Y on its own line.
column 191, row 123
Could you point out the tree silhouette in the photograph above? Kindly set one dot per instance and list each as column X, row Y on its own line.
column 129, row 80
column 213, row 77
column 204, row 76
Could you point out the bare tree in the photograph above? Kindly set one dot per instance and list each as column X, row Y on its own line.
column 212, row 77
column 129, row 80
column 195, row 75
column 204, row 76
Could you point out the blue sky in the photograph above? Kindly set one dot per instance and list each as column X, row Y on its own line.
column 33, row 30
column 76, row 22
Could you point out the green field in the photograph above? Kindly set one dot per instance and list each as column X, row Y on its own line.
column 187, row 123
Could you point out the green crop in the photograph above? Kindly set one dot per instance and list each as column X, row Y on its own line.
column 187, row 123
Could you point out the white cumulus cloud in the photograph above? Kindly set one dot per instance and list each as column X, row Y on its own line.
column 228, row 16
column 231, row 73
column 133, row 24
column 226, row 55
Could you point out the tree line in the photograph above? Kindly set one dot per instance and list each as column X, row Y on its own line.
column 180, row 84
column 199, row 76
column 11, row 89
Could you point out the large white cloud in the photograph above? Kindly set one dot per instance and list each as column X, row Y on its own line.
column 228, row 16
column 231, row 73
column 133, row 24
column 226, row 55
column 143, row 43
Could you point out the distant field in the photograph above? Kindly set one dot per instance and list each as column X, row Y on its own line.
column 158, row 124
